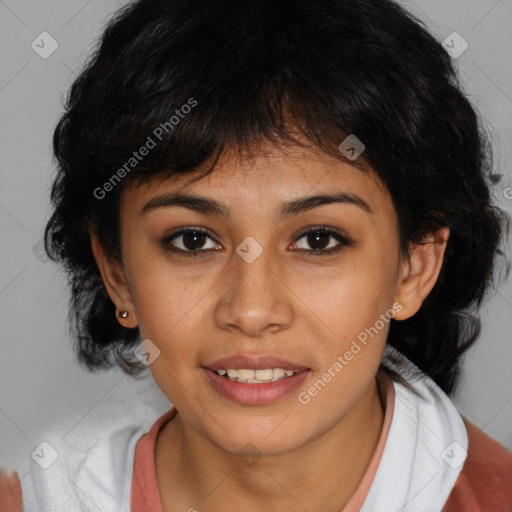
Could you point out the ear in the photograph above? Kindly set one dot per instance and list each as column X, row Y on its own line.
column 419, row 273
column 114, row 279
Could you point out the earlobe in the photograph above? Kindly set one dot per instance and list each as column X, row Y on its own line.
column 115, row 283
column 419, row 273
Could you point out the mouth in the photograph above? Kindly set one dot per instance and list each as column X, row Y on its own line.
column 254, row 369
column 255, row 380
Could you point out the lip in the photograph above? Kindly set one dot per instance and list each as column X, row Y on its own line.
column 255, row 394
column 260, row 362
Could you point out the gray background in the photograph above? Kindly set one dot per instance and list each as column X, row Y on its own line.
column 41, row 385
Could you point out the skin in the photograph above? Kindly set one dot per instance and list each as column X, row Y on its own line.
column 288, row 302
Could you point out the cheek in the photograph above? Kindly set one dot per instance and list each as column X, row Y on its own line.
column 354, row 304
column 174, row 304
column 168, row 305
column 160, row 294
column 352, row 296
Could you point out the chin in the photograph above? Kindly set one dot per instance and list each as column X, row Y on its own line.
column 257, row 437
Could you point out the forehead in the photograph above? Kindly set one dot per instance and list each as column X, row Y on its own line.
column 268, row 177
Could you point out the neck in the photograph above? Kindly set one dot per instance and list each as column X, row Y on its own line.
column 320, row 475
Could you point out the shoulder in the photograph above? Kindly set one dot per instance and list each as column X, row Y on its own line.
column 485, row 482
column 93, row 467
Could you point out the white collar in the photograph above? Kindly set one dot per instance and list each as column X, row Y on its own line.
column 94, row 478
column 425, row 448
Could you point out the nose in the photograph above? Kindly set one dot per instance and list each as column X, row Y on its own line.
column 255, row 298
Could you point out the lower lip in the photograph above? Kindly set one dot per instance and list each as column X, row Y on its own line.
column 256, row 394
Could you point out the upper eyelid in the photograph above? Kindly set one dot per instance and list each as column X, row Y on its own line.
column 181, row 231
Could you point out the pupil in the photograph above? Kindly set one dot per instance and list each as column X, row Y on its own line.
column 196, row 236
column 313, row 239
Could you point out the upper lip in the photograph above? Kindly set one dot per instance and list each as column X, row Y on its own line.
column 254, row 363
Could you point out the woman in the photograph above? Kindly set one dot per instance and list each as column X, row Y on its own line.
column 288, row 205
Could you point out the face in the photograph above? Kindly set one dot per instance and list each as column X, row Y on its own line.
column 268, row 280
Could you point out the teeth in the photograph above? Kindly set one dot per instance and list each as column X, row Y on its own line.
column 279, row 372
column 262, row 374
column 249, row 376
column 246, row 374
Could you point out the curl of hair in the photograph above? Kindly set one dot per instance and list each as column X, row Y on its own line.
column 267, row 71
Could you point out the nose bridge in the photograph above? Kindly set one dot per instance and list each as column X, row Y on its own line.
column 255, row 297
column 253, row 281
column 252, row 267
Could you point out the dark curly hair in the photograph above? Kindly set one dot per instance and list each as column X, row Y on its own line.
column 267, row 71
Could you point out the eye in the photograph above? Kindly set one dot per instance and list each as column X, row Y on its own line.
column 191, row 242
column 188, row 242
column 319, row 239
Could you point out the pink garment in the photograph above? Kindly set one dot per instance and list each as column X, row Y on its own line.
column 388, row 399
column 10, row 492
column 145, row 496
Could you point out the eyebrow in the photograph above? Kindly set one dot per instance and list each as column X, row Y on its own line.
column 208, row 206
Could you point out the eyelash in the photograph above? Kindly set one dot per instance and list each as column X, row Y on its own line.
column 201, row 253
